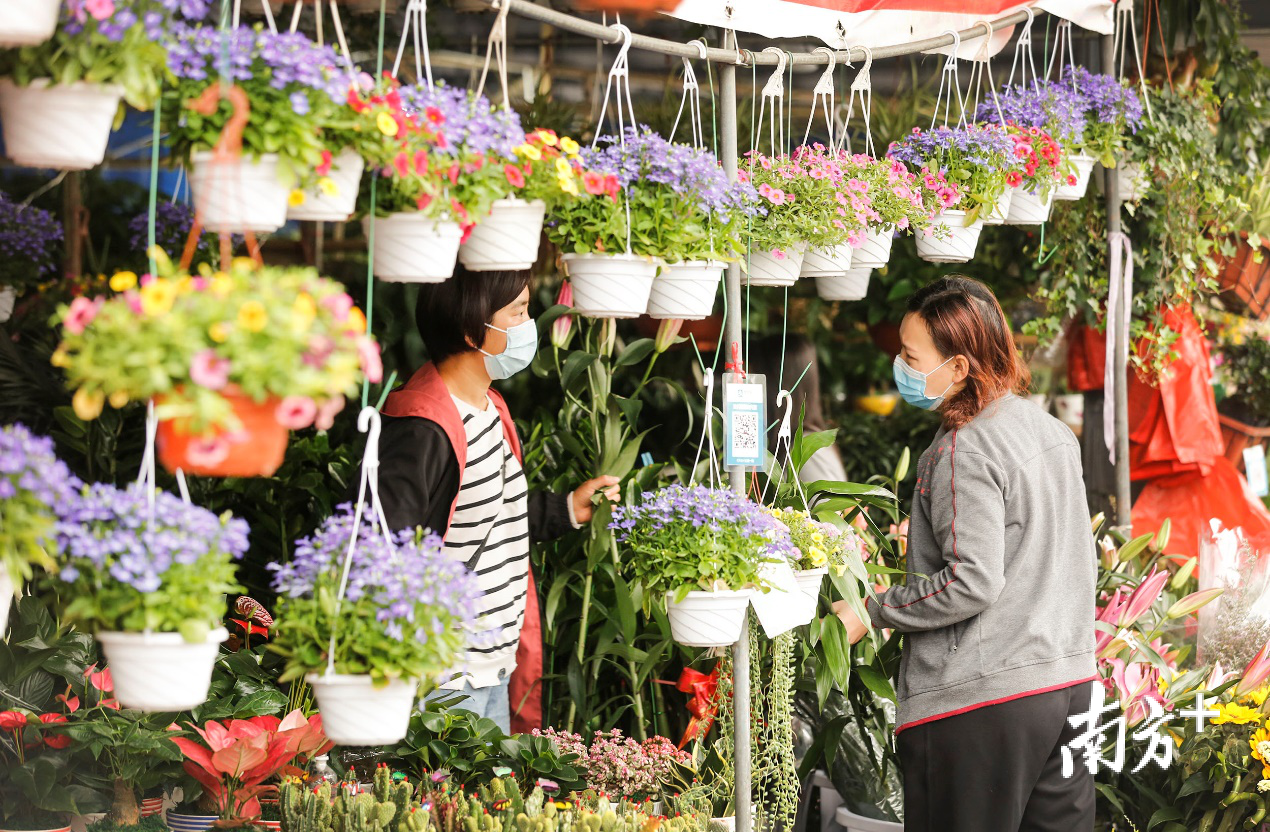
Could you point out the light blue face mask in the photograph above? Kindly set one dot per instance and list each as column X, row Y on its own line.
column 912, row 385
column 522, row 346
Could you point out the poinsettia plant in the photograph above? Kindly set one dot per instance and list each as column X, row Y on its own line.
column 975, row 158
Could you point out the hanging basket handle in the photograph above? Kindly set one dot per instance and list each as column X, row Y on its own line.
column 862, row 88
column 692, row 99
column 415, row 24
column 774, row 90
column 785, row 438
column 823, row 93
column 1125, row 30
column 951, row 84
column 497, row 48
column 1023, row 53
column 981, row 70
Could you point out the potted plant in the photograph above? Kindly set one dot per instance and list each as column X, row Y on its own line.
column 852, row 213
column 700, row 551
column 641, row 773
column 1112, row 111
column 235, row 359
column 1034, row 177
column 26, row 24
column 1245, row 278
column 248, row 142
column 149, row 578
column 819, row 547
column 59, row 98
column 30, row 245
column 798, row 209
column 1244, row 375
column 975, row 160
column 399, row 624
column 33, row 482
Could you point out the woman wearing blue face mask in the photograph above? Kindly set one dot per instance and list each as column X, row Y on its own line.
column 450, row 461
column 997, row 608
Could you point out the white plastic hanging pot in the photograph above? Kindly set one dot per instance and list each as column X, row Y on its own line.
column 160, row 671
column 240, row 194
column 958, row 243
column 411, row 248
column 779, row 267
column 6, row 598
column 507, row 239
column 1084, row 166
column 853, row 285
column 338, row 199
column 685, row 291
column 62, row 126
column 875, row 251
column 809, row 580
column 1133, row 182
column 708, row 619
column 355, row 712
column 8, row 299
column 1027, row 208
column 611, row 285
column 826, row 262
column 27, row 22
column 998, row 213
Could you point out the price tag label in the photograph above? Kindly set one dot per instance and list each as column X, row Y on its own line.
column 1255, row 470
column 744, row 420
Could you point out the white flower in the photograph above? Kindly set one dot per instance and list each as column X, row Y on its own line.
column 1263, row 786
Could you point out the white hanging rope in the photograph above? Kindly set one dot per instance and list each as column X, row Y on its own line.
column 825, row 95
column 784, row 439
column 1062, row 44
column 1126, row 31
column 707, row 438
column 368, row 422
column 692, row 100
column 415, row 29
column 336, row 23
column 264, row 5
column 619, row 83
column 981, row 73
column 950, row 85
column 1023, row 55
column 497, row 47
column 773, row 90
column 862, row 89
column 1119, row 292
column 146, row 476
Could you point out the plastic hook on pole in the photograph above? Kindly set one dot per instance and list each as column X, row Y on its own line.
column 950, row 83
column 774, row 90
column 824, row 95
column 981, row 70
column 1023, row 53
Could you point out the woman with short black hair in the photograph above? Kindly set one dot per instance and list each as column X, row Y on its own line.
column 450, row 461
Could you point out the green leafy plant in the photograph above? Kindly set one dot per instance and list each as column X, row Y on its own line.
column 975, row 160
column 34, row 482
column 1245, row 374
column 820, row 545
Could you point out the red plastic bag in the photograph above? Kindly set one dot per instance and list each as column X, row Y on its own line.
column 1086, row 358
column 1191, row 500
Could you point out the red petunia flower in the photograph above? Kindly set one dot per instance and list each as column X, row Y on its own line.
column 514, row 177
column 355, row 102
column 593, row 182
column 324, row 167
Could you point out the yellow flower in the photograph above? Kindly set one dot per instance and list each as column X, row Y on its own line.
column 157, row 297
column 87, row 405
column 569, row 146
column 356, row 320
column 123, row 281
column 1260, row 743
column 563, row 168
column 529, row 152
column 568, row 186
column 60, row 358
column 118, row 399
column 239, row 264
column 222, row 284
column 1236, row 714
column 296, row 198
column 546, row 137
column 327, row 186
column 304, row 310
column 386, row 124
column 1258, row 696
column 252, row 316
column 817, row 556
column 218, row 332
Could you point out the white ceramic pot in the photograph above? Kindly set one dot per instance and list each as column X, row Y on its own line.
column 339, row 200
column 355, row 712
column 851, row 822
column 853, row 285
column 27, row 22
column 1070, row 410
column 875, row 251
column 1084, row 166
column 959, row 241
column 411, row 248
column 7, row 594
column 1027, row 208
column 62, row 126
column 160, row 671
column 826, row 262
column 766, row 268
column 708, row 619
column 239, row 195
column 685, row 291
column 179, row 822
column 507, row 239
column 8, row 299
column 1000, row 210
column 611, row 285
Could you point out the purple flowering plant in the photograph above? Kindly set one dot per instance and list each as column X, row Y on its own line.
column 33, row 482
column 406, row 610
column 102, row 42
column 30, row 242
column 685, row 538
column 1112, row 111
column 129, row 568
column 976, row 159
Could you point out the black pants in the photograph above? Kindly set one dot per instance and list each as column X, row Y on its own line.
column 998, row 769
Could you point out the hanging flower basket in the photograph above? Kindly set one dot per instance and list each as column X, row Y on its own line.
column 708, row 619
column 239, row 195
column 334, row 198
column 611, row 285
column 1001, row 210
column 685, row 291
column 875, row 251
column 355, row 712
column 1237, row 437
column 774, row 268
column 507, row 239
column 411, row 248
column 1069, row 191
column 826, row 262
column 255, row 451
column 8, row 299
column 1028, row 208
column 809, row 580
column 852, row 285
column 180, row 822
column 849, row 821
column 958, row 244
column 1133, row 181
column 28, row 22
column 160, row 671
column 62, row 126
column 1245, row 282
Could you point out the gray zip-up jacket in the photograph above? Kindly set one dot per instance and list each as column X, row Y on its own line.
column 1002, row 605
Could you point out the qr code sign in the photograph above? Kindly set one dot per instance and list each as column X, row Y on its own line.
column 744, row 433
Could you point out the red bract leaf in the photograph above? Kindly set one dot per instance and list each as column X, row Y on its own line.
column 241, row 757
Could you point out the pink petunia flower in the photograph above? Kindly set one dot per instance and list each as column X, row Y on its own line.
column 327, row 411
column 81, row 314
column 207, row 451
column 100, row 9
column 779, row 254
column 340, row 305
column 296, row 412
column 209, row 370
column 368, row 356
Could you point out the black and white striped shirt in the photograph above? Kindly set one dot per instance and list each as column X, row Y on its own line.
column 490, row 534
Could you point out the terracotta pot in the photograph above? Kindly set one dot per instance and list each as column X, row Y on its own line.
column 1238, row 436
column 255, row 451
column 1246, row 282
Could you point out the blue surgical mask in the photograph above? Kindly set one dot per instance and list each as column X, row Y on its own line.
column 522, row 345
column 912, row 385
